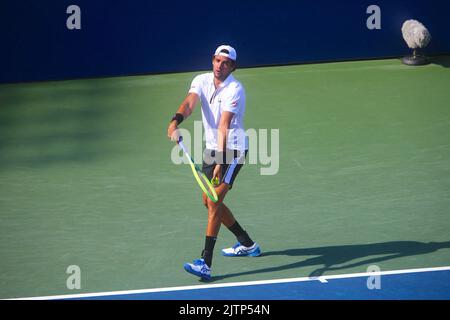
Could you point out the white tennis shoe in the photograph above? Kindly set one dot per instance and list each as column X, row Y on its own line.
column 238, row 250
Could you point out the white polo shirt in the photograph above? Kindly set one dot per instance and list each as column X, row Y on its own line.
column 229, row 96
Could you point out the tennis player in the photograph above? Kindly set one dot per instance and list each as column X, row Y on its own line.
column 223, row 107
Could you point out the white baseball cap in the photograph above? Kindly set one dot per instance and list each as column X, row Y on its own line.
column 226, row 51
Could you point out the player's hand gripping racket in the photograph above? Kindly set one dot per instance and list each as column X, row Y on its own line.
column 201, row 178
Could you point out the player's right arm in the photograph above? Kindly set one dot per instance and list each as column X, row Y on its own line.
column 185, row 109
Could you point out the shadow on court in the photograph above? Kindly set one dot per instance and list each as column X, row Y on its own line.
column 340, row 257
column 48, row 123
column 443, row 61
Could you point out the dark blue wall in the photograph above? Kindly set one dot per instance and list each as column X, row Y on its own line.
column 133, row 37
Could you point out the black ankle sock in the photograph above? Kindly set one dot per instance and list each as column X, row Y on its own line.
column 241, row 235
column 207, row 253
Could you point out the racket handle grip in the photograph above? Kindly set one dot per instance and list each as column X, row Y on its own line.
column 180, row 139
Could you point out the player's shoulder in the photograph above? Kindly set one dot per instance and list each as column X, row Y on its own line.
column 204, row 77
column 235, row 85
column 200, row 82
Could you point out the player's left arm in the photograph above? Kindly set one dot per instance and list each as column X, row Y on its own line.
column 222, row 135
column 224, row 125
column 231, row 106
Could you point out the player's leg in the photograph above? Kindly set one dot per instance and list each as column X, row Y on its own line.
column 245, row 246
column 202, row 267
column 214, row 208
column 214, row 222
column 231, row 223
column 219, row 213
column 199, row 266
column 227, row 217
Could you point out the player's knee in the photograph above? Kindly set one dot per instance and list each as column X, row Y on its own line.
column 213, row 205
column 221, row 192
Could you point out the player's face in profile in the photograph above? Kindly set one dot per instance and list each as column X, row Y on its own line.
column 222, row 67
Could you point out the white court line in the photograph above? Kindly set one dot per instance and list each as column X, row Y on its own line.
column 323, row 279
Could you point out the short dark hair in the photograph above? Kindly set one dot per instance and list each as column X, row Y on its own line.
column 235, row 65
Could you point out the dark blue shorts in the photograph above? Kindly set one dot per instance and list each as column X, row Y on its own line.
column 230, row 169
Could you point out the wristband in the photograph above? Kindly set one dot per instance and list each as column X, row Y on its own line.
column 178, row 117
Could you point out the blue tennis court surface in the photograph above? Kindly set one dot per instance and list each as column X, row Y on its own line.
column 413, row 284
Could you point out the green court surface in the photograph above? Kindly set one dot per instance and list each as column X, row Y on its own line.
column 86, row 178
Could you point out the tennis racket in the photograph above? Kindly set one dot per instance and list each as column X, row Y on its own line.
column 201, row 178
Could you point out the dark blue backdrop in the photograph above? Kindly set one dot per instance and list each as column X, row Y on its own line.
column 134, row 37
